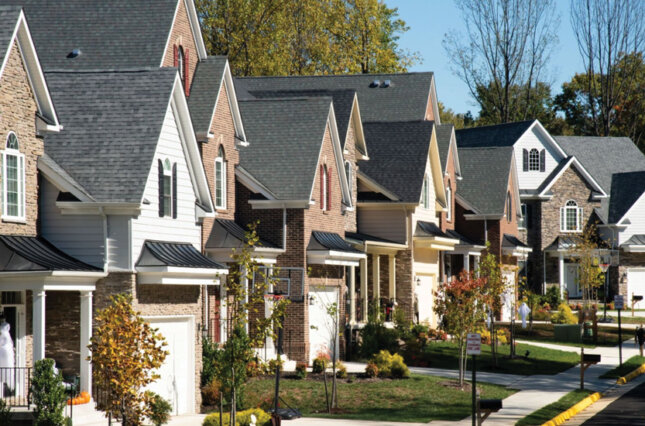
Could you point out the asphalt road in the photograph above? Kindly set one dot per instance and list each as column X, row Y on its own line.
column 629, row 409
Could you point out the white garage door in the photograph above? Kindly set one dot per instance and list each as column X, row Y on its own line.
column 177, row 381
column 635, row 285
column 321, row 327
column 424, row 293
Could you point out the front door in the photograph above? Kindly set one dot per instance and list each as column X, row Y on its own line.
column 571, row 280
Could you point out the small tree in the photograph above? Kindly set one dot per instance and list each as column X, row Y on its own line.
column 48, row 394
column 585, row 253
column 125, row 351
column 491, row 270
column 461, row 303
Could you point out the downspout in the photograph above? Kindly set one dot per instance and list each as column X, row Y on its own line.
column 485, row 230
column 543, row 272
column 284, row 228
column 106, row 257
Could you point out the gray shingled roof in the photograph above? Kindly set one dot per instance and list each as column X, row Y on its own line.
column 492, row 136
column 635, row 240
column 114, row 34
column 343, row 101
column 404, row 100
column 626, row 189
column 204, row 90
column 603, row 156
column 286, row 137
column 8, row 19
column 444, row 134
column 112, row 123
column 485, row 184
column 398, row 156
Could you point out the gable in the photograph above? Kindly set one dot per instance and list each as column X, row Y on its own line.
column 571, row 164
column 534, row 138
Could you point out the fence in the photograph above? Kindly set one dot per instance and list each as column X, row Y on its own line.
column 15, row 386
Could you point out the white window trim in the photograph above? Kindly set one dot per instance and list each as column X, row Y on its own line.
column 425, row 193
column 521, row 224
column 349, row 172
column 324, row 188
column 168, row 172
column 538, row 160
column 563, row 217
column 449, row 204
column 21, row 217
column 223, row 182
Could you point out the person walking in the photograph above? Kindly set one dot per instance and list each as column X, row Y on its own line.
column 640, row 338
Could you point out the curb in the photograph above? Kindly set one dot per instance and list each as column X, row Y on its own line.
column 631, row 376
column 566, row 415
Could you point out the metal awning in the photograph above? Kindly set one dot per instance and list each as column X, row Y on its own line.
column 466, row 246
column 227, row 235
column 329, row 248
column 512, row 246
column 428, row 234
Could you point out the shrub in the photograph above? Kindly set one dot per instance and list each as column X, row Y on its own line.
column 341, row 370
column 383, row 360
column 389, row 365
column 273, row 364
column 541, row 315
column 552, row 296
column 375, row 337
column 301, row 370
column 398, row 369
column 5, row 414
column 564, row 315
column 254, row 368
column 159, row 409
column 319, row 364
column 371, row 370
column 243, row 418
column 48, row 394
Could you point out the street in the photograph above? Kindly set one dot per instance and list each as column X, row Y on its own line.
column 626, row 410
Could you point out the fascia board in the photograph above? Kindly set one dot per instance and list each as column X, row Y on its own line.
column 372, row 184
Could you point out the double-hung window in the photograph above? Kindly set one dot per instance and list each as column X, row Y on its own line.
column 13, row 182
column 448, row 203
column 167, row 188
column 425, row 193
column 571, row 217
column 220, row 179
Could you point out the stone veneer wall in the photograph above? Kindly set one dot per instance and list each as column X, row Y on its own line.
column 62, row 329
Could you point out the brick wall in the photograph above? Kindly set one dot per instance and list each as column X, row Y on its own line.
column 181, row 35
column 17, row 114
column 350, row 155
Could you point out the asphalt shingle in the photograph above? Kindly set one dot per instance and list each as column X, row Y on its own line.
column 204, row 90
column 444, row 135
column 626, row 189
column 492, row 136
column 8, row 19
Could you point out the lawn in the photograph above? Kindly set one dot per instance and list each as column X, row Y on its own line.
column 539, row 360
column 628, row 319
column 628, row 366
column 545, row 414
column 417, row 399
column 607, row 336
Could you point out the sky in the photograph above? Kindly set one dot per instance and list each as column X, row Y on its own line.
column 429, row 20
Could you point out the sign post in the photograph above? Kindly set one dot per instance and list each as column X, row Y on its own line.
column 474, row 348
column 619, row 304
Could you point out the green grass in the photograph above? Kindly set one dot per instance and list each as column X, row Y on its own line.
column 417, row 399
column 628, row 319
column 607, row 336
column 539, row 361
column 628, row 366
column 545, row 414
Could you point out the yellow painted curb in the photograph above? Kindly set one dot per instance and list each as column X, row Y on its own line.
column 566, row 415
column 631, row 376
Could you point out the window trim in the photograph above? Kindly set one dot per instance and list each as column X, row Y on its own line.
column 425, row 192
column 221, row 159
column 509, row 207
column 522, row 224
column 324, row 188
column 20, row 164
column 534, row 160
column 449, row 202
column 571, row 206
column 167, row 173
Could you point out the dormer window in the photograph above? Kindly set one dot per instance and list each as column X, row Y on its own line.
column 13, row 182
column 167, row 189
column 180, row 63
column 534, row 160
column 220, row 179
column 425, row 193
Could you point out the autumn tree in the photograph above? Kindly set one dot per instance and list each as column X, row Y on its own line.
column 585, row 253
column 292, row 37
column 608, row 32
column 461, row 305
column 491, row 270
column 501, row 53
column 125, row 351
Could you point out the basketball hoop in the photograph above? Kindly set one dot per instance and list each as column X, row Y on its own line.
column 273, row 296
column 604, row 267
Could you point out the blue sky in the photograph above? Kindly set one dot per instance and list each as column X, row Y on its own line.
column 429, row 20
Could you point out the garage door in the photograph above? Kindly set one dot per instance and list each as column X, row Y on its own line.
column 635, row 285
column 424, row 293
column 177, row 381
column 321, row 327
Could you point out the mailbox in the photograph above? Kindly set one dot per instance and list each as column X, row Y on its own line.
column 490, row 405
column 591, row 358
column 636, row 298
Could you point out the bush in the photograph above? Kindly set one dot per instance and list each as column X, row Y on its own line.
column 541, row 315
column 210, row 358
column 48, row 394
column 552, row 296
column 301, row 370
column 341, row 370
column 211, row 393
column 371, row 370
column 375, row 337
column 383, row 360
column 254, row 368
column 243, row 418
column 5, row 414
column 273, row 364
column 319, row 364
column 160, row 409
column 389, row 365
column 564, row 315
column 398, row 369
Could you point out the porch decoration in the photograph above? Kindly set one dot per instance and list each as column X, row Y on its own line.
column 83, row 398
column 7, row 356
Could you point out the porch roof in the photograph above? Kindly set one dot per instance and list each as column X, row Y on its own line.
column 465, row 242
column 227, row 233
column 329, row 248
column 26, row 254
column 182, row 255
column 360, row 238
column 562, row 243
column 636, row 243
column 512, row 246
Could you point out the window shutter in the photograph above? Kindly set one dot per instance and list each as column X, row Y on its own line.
column 2, row 187
column 174, row 191
column 525, row 162
column 329, row 188
column 160, row 163
column 562, row 219
column 542, row 161
column 186, row 73
column 322, row 187
column 175, row 53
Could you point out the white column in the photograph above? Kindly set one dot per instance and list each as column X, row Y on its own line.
column 352, row 295
column 245, row 285
column 392, row 271
column 223, row 311
column 86, row 333
column 268, row 308
column 376, row 277
column 561, row 271
column 365, row 301
column 39, row 324
column 466, row 262
column 476, row 264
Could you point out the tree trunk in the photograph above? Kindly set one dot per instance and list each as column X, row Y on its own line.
column 493, row 340
column 326, row 393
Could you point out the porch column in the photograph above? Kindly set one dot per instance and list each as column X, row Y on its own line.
column 466, row 262
column 352, row 295
column 392, row 271
column 376, row 277
column 365, row 301
column 268, row 308
column 39, row 325
column 86, row 333
column 245, row 285
column 223, row 311
column 561, row 271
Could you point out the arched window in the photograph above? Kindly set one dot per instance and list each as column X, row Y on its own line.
column 13, row 182
column 181, row 60
column 348, row 173
column 220, row 179
column 425, row 193
column 324, row 188
column 448, row 202
column 534, row 160
column 571, row 217
column 509, row 207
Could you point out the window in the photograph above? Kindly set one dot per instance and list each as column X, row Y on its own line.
column 509, row 207
column 181, row 63
column 220, row 179
column 324, row 188
column 534, row 160
column 167, row 188
column 348, row 173
column 571, row 217
column 425, row 193
column 524, row 219
column 13, row 184
column 449, row 203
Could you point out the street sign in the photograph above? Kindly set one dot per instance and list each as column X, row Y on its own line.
column 619, row 301
column 473, row 344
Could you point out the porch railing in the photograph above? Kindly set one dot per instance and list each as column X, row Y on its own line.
column 15, row 386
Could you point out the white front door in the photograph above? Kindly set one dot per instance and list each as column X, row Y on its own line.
column 424, row 292
column 635, row 286
column 321, row 324
column 177, row 381
column 571, row 280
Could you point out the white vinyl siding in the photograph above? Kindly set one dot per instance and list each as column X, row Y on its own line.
column 571, row 217
column 533, row 140
column 635, row 218
column 149, row 226
column 119, row 243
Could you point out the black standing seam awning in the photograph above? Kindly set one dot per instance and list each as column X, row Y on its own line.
column 183, row 255
column 227, row 233
column 23, row 253
column 330, row 241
